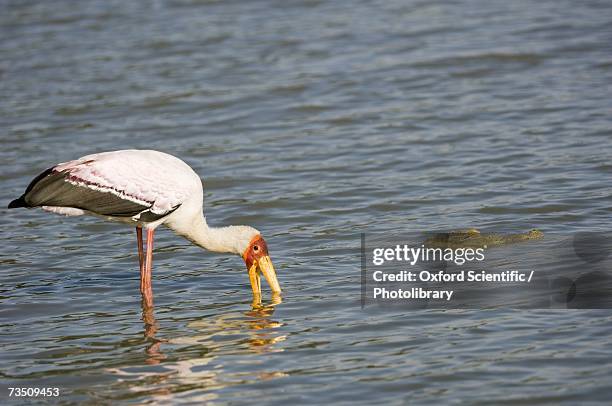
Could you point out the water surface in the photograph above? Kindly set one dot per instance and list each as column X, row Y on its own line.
column 313, row 121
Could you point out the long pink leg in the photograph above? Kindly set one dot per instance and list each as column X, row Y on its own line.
column 140, row 250
column 145, row 280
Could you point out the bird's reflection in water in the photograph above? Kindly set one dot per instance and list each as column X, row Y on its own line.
column 155, row 356
column 260, row 315
column 196, row 360
column 258, row 325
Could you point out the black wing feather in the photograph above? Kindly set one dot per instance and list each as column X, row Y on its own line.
column 51, row 188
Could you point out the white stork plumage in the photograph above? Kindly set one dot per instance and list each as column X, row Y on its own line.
column 145, row 189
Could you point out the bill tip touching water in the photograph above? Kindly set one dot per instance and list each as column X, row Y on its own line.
column 145, row 189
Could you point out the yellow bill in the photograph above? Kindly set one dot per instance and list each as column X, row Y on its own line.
column 263, row 266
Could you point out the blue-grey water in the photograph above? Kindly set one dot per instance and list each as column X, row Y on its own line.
column 313, row 121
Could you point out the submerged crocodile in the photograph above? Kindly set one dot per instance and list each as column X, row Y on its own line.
column 472, row 238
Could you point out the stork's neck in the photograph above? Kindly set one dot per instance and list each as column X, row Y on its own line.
column 233, row 239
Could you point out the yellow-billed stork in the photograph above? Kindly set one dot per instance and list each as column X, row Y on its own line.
column 146, row 189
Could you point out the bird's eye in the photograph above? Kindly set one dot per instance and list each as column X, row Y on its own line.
column 255, row 248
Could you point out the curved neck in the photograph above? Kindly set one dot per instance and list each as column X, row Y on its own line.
column 216, row 239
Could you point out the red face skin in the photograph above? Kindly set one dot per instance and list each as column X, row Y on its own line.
column 257, row 249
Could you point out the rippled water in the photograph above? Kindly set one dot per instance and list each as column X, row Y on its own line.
column 313, row 121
